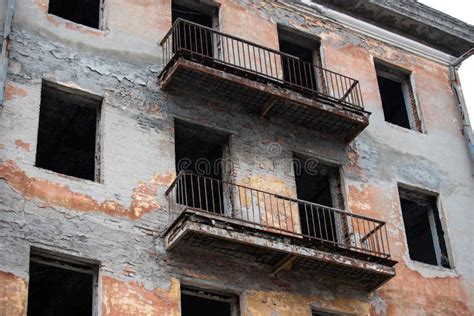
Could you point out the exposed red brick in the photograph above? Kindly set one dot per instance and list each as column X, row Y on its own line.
column 13, row 294
column 143, row 197
column 21, row 144
column 12, row 91
column 132, row 298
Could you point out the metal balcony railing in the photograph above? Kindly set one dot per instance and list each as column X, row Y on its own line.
column 310, row 222
column 246, row 59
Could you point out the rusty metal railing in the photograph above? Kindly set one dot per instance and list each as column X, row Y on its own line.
column 278, row 214
column 206, row 45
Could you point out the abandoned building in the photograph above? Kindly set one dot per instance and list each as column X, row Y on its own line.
column 234, row 157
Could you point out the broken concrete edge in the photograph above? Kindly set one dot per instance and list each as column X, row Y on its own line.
column 189, row 227
column 359, row 117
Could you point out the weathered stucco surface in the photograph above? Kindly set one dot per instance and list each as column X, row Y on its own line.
column 119, row 220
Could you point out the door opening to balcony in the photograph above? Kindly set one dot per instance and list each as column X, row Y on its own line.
column 196, row 301
column 191, row 38
column 423, row 228
column 318, row 183
column 301, row 72
column 201, row 153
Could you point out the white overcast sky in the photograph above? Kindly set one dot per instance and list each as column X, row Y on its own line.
column 463, row 10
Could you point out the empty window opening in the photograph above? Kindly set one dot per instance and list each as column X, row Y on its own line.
column 201, row 151
column 193, row 39
column 202, row 302
column 318, row 183
column 85, row 12
column 398, row 100
column 61, row 286
column 307, row 50
column 67, row 131
column 423, row 229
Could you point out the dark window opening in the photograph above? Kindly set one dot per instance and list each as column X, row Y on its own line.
column 85, row 12
column 395, row 91
column 67, row 131
column 200, row 151
column 300, row 73
column 59, row 287
column 191, row 38
column 423, row 229
column 196, row 302
column 321, row 185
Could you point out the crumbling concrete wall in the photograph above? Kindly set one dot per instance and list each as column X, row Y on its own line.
column 119, row 220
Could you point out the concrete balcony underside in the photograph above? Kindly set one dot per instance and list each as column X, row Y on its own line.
column 267, row 99
column 226, row 236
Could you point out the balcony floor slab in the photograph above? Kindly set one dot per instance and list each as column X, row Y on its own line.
column 266, row 98
column 229, row 237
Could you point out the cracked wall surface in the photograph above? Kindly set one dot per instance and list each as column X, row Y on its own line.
column 119, row 221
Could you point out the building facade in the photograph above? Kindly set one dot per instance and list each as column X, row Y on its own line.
column 254, row 157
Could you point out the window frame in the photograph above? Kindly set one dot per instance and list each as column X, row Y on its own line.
column 414, row 195
column 406, row 79
column 213, row 294
column 72, row 263
column 98, row 128
column 101, row 25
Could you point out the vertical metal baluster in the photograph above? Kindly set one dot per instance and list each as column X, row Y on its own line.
column 270, row 198
column 205, row 194
column 247, row 204
column 264, row 61
column 265, row 208
column 185, row 192
column 253, row 208
column 380, row 238
column 276, row 65
column 250, row 58
column 270, row 62
column 220, row 186
column 291, row 216
column 386, row 239
column 307, row 221
column 325, row 225
column 351, row 233
column 365, row 234
column 278, row 211
column 240, row 202
column 286, row 216
column 313, row 219
column 212, row 194
column 299, row 63
column 358, row 239
column 201, row 40
column 320, row 230
column 224, row 54
column 331, row 215
column 259, row 209
column 199, row 191
column 185, row 37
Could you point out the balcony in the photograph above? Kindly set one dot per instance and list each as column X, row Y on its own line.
column 284, row 233
column 265, row 81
